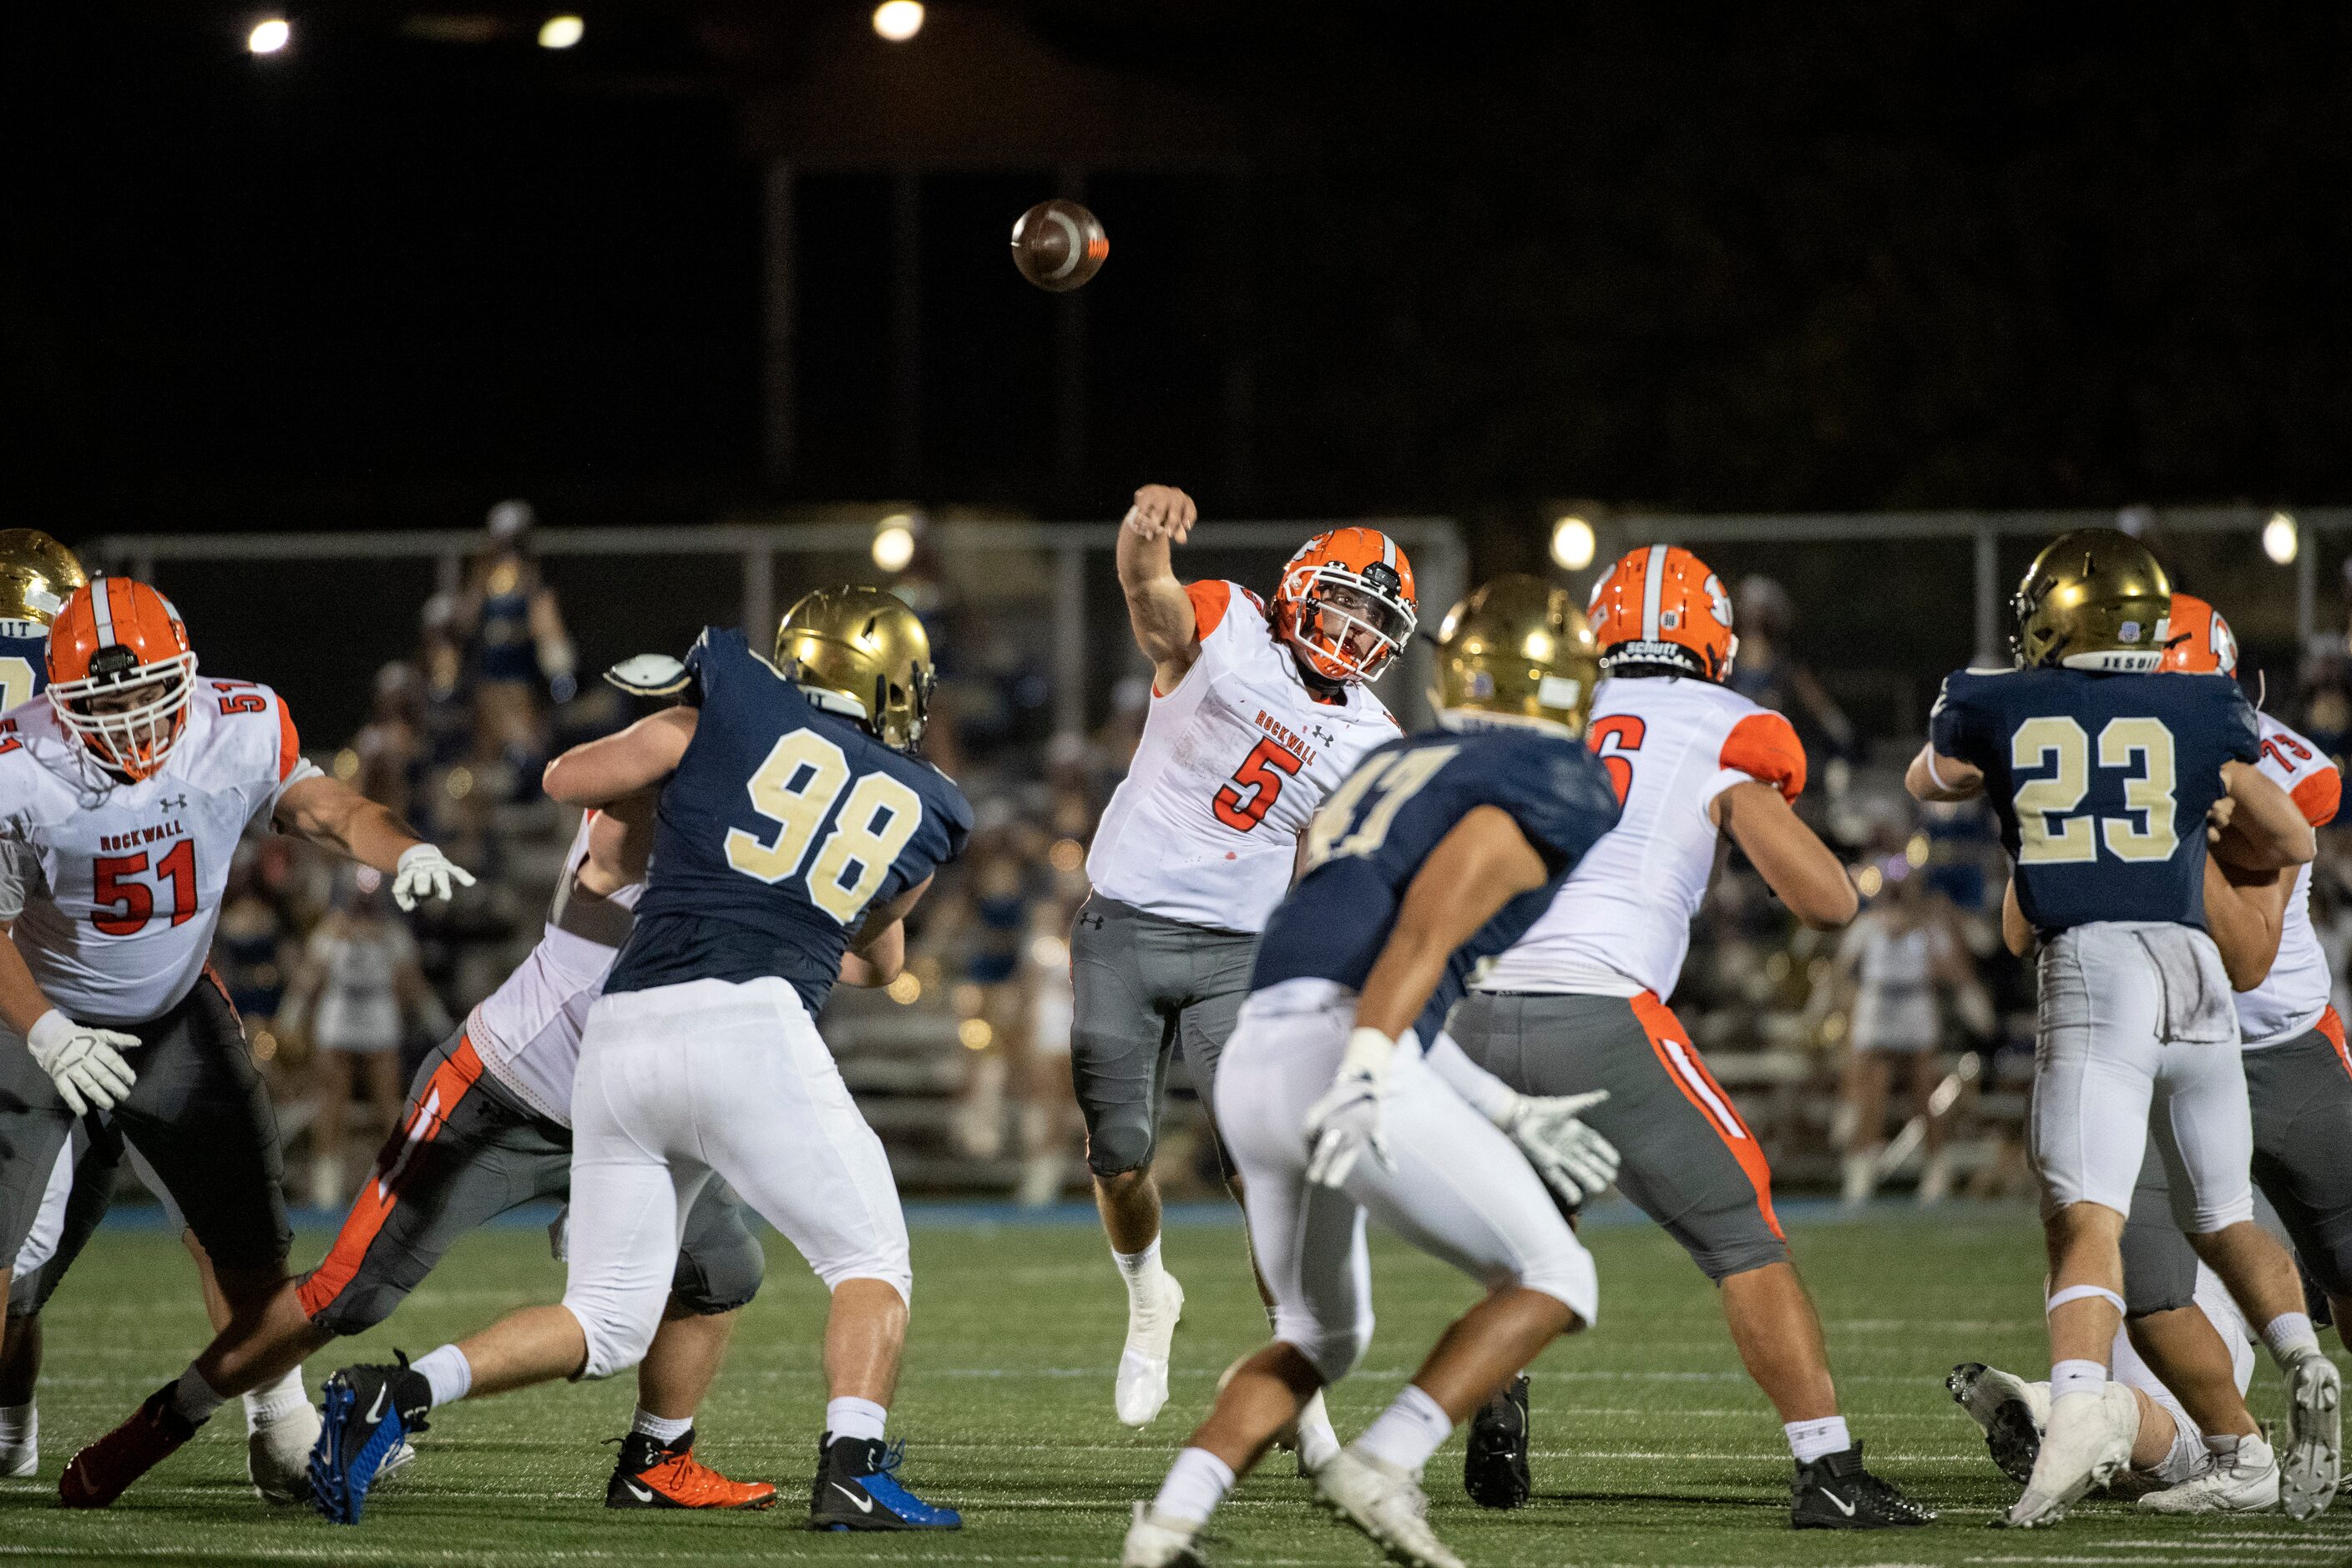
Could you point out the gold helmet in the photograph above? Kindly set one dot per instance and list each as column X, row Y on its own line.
column 867, row 655
column 2093, row 599
column 38, row 575
column 1517, row 651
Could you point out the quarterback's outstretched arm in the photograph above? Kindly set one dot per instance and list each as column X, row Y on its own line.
column 1157, row 606
column 1791, row 857
column 600, row 771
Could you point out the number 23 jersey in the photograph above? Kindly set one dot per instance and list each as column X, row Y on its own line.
column 781, row 826
column 2101, row 783
column 124, row 880
column 1204, row 828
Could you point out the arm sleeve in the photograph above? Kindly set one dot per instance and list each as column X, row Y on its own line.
column 1762, row 747
column 292, row 766
column 1220, row 610
column 2319, row 796
column 1952, row 729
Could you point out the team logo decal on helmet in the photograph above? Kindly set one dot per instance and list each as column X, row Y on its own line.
column 121, row 675
column 1346, row 603
column 2201, row 640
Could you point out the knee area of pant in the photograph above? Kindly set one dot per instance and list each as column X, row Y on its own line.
column 1333, row 1351
column 355, row 1313
column 1117, row 1147
column 614, row 1343
column 1720, row 1260
column 719, row 1279
column 1568, row 1277
column 897, row 1273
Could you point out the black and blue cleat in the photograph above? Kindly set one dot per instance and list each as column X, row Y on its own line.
column 857, row 1487
column 369, row 1412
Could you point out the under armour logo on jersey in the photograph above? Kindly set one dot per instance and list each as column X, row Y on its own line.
column 1092, row 922
column 174, row 803
column 1320, row 733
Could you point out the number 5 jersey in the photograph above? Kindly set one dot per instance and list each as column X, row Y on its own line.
column 121, row 882
column 1204, row 828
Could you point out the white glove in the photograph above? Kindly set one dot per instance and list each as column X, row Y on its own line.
column 1576, row 1162
column 83, row 1060
column 1347, row 1120
column 424, row 872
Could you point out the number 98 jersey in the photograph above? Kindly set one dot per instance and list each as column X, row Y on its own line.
column 2101, row 783
column 781, row 825
column 1369, row 841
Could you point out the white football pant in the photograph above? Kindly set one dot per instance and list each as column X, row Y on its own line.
column 680, row 1083
column 1458, row 1189
column 2138, row 1034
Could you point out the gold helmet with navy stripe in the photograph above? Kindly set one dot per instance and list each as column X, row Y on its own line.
column 2093, row 599
column 861, row 651
column 38, row 575
column 1517, row 651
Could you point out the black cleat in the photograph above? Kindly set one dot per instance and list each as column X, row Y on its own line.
column 655, row 1474
column 1495, row 1464
column 857, row 1487
column 366, row 1415
column 1834, row 1492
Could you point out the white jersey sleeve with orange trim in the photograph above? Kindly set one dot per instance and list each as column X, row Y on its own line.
column 120, row 920
column 1204, row 828
column 2293, row 995
column 527, row 1032
column 1621, row 924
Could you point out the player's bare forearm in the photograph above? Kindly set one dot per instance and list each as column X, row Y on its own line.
column 332, row 815
column 2266, row 829
column 880, row 962
column 1482, row 864
column 1933, row 776
column 21, row 1000
column 1158, row 608
column 1791, row 857
column 2246, row 913
column 605, row 771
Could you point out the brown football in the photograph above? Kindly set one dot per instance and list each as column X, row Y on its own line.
column 1059, row 244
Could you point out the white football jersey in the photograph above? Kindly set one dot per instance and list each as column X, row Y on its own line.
column 527, row 1032
column 2293, row 995
column 1621, row 924
column 127, row 877
column 1204, row 828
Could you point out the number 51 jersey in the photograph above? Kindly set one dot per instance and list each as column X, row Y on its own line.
column 2101, row 783
column 125, row 879
column 1204, row 828
column 780, row 827
column 1369, row 842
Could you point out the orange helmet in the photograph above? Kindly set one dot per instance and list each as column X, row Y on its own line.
column 2201, row 640
column 122, row 674
column 1660, row 605
column 1346, row 604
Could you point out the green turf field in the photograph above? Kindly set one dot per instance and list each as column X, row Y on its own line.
column 1652, row 1448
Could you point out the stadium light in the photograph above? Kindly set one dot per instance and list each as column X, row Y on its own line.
column 270, row 36
column 898, row 20
column 894, row 541
column 1572, row 543
column 561, row 32
column 2280, row 539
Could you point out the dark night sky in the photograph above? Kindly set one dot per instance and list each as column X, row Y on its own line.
column 1827, row 256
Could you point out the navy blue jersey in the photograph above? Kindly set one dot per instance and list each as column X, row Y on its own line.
column 1367, row 841
column 783, row 825
column 2101, row 783
column 23, row 661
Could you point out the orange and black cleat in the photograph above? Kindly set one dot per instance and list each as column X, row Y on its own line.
column 105, row 1469
column 655, row 1474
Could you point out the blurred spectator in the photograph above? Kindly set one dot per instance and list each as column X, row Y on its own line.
column 392, row 747
column 1767, row 672
column 359, row 987
column 511, row 618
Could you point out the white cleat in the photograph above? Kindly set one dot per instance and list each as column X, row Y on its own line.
column 1387, row 1504
column 2315, row 1436
column 278, row 1456
column 1151, row 1319
column 1155, row 1541
column 2088, row 1441
column 1318, row 1443
column 2244, row 1481
column 20, row 1457
column 2011, row 1411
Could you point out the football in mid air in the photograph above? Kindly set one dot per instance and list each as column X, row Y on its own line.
column 1059, row 244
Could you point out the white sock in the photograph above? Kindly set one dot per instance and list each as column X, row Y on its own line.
column 2077, row 1377
column 274, row 1402
column 1408, row 1432
column 1197, row 1482
column 448, row 1372
column 2289, row 1335
column 859, row 1418
column 19, row 1423
column 1810, row 1440
column 1139, row 1267
column 660, row 1429
column 195, row 1398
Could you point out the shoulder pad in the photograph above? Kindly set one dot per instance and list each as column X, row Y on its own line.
column 649, row 675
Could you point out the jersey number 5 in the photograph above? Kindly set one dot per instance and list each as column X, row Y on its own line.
column 2059, row 743
column 126, row 905
column 796, row 787
column 1261, row 774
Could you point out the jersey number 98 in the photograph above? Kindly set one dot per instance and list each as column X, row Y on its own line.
column 796, row 788
column 2061, row 744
